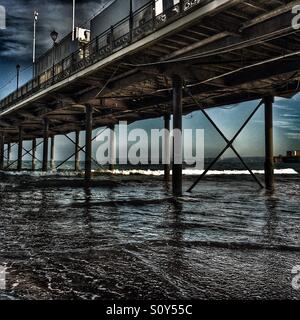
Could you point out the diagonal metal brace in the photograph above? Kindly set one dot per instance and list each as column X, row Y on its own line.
column 24, row 154
column 5, row 151
column 30, row 153
column 10, row 147
column 79, row 150
column 95, row 161
column 229, row 143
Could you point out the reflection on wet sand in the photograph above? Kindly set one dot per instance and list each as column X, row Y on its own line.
column 132, row 240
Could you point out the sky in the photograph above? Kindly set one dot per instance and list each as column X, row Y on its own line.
column 16, row 48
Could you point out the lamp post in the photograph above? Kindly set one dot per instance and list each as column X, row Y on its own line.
column 35, row 19
column 74, row 17
column 54, row 36
column 18, row 75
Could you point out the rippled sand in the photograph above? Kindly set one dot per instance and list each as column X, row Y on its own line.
column 128, row 238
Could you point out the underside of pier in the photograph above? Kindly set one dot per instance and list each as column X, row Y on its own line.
column 225, row 52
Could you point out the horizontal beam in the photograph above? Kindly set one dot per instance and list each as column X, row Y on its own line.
column 211, row 7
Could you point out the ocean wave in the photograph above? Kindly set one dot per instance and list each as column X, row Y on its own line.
column 128, row 172
column 41, row 174
column 195, row 172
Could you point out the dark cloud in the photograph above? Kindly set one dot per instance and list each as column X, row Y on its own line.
column 16, row 40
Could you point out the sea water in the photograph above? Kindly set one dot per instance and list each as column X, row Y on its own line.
column 127, row 237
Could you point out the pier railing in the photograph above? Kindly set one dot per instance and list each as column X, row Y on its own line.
column 134, row 27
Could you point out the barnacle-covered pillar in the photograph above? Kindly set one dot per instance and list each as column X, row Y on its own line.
column 8, row 152
column 177, row 130
column 112, row 160
column 166, row 148
column 52, row 153
column 77, row 148
column 45, row 145
column 269, row 144
column 20, row 149
column 88, row 142
column 33, row 152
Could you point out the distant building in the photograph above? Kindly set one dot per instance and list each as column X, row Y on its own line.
column 291, row 157
column 295, row 153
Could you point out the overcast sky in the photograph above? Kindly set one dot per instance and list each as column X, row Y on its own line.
column 16, row 47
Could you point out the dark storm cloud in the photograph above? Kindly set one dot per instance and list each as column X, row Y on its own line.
column 16, row 40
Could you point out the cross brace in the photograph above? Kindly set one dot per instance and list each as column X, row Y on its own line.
column 24, row 154
column 79, row 150
column 229, row 143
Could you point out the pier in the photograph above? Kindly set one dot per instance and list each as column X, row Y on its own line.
column 194, row 56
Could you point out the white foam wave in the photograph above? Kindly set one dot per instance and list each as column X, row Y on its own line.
column 186, row 172
column 41, row 174
column 194, row 172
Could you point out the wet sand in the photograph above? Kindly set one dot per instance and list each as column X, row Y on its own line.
column 127, row 238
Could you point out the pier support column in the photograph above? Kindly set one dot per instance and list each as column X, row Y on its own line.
column 77, row 148
column 166, row 148
column 112, row 148
column 33, row 152
column 88, row 142
column 2, row 138
column 52, row 153
column 8, row 152
column 45, row 145
column 177, row 141
column 269, row 147
column 20, row 149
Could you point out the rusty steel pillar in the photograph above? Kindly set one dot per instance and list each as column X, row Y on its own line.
column 112, row 148
column 2, row 138
column 20, row 149
column 8, row 152
column 33, row 152
column 52, row 153
column 45, row 145
column 88, row 142
column 269, row 144
column 77, row 148
column 177, row 143
column 166, row 147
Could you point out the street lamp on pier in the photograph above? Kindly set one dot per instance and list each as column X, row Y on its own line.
column 54, row 36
